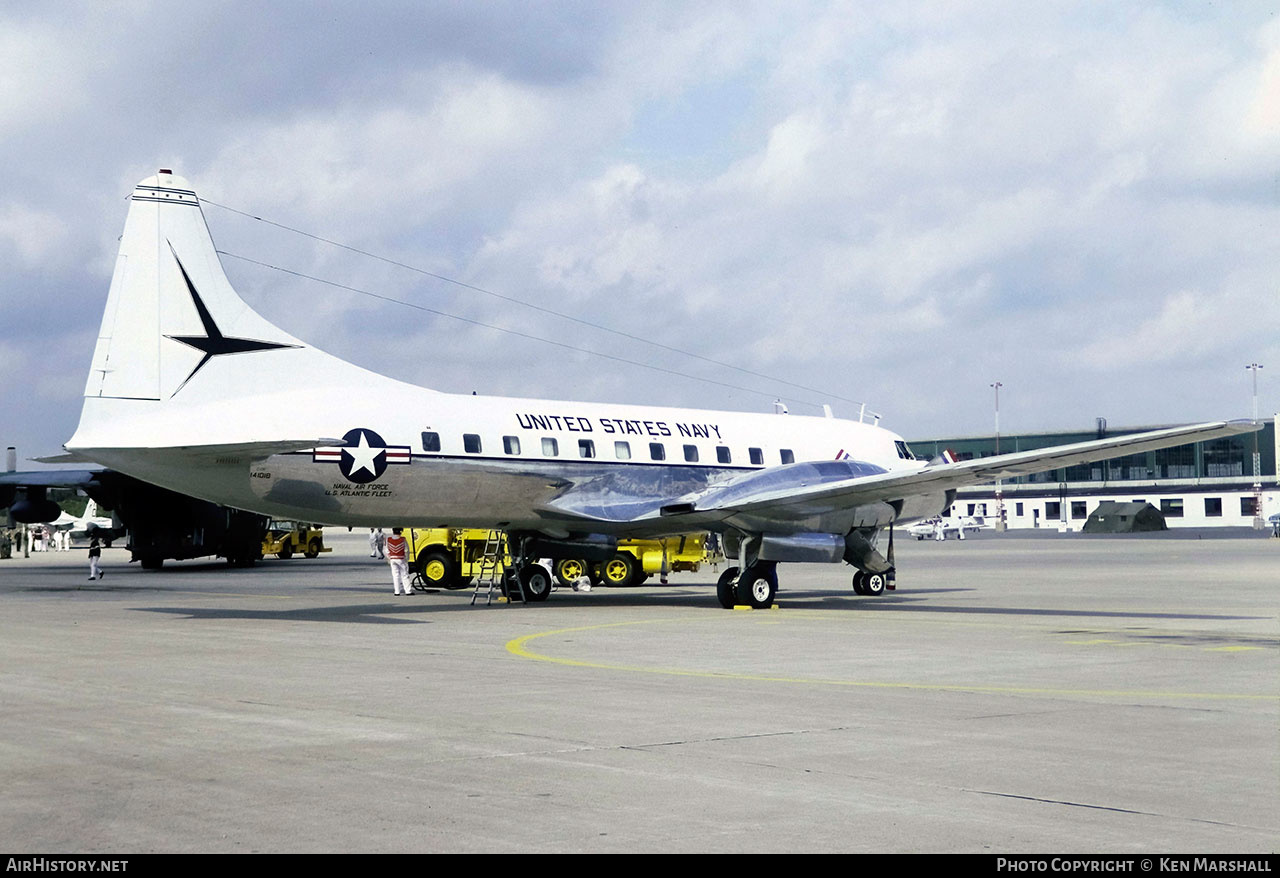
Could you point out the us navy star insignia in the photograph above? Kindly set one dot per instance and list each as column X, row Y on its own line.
column 213, row 343
column 364, row 455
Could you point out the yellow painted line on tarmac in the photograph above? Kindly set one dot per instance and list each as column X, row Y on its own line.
column 519, row 647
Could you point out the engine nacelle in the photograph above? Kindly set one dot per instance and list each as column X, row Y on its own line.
column 813, row 548
column 35, row 510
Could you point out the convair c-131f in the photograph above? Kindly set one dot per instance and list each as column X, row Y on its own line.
column 178, row 395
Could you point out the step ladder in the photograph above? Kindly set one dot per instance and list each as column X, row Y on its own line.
column 492, row 568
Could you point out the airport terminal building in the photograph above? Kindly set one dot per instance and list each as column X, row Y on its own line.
column 1223, row 482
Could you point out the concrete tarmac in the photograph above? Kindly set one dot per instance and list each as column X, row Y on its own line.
column 1047, row 695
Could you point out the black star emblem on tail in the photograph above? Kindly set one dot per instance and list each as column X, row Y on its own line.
column 213, row 343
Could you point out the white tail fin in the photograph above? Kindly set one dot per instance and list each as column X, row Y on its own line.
column 171, row 310
column 177, row 340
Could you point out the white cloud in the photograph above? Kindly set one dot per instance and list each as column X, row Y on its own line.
column 32, row 236
column 881, row 201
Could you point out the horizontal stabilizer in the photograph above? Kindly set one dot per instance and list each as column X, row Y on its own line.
column 255, row 450
column 66, row 457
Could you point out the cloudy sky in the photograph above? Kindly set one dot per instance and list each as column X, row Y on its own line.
column 891, row 203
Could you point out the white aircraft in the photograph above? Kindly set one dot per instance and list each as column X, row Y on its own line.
column 928, row 529
column 86, row 525
column 177, row 395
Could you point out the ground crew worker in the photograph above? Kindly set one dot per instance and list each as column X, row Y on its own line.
column 95, row 552
column 398, row 558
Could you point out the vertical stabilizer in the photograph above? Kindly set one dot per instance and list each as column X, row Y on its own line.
column 170, row 310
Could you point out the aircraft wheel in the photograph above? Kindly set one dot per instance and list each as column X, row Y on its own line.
column 725, row 588
column 286, row 551
column 873, row 584
column 437, row 570
column 313, row 548
column 570, row 570
column 759, row 585
column 621, row 570
column 858, row 586
column 536, row 580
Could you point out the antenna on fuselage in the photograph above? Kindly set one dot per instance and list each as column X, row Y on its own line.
column 779, row 407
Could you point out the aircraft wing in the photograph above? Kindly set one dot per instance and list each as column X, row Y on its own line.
column 804, row 490
column 70, row 478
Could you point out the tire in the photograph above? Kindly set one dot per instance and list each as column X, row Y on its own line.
column 621, row 571
column 536, row 580
column 151, row 562
column 286, row 551
column 758, row 586
column 726, row 593
column 569, row 570
column 438, row 570
column 314, row 547
column 858, row 587
column 873, row 584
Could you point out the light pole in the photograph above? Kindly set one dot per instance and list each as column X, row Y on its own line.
column 1257, row 458
column 1000, row 525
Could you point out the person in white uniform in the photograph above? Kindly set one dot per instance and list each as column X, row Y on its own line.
column 398, row 558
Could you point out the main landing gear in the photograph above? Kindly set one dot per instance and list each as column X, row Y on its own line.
column 759, row 587
column 756, row 588
column 872, row 584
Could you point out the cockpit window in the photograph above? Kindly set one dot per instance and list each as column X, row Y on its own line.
column 903, row 451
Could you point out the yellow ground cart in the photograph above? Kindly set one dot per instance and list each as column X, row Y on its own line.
column 284, row 539
column 449, row 557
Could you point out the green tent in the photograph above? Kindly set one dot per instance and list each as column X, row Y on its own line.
column 1123, row 518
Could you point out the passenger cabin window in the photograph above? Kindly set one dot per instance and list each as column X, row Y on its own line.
column 787, row 456
column 722, row 454
column 511, row 444
column 586, row 448
column 757, row 456
column 471, row 443
column 622, row 450
column 550, row 448
column 430, row 441
column 691, row 453
column 657, row 451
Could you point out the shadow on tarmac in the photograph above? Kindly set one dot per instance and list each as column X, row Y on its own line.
column 433, row 603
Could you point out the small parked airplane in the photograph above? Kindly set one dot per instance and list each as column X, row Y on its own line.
column 87, row 525
column 176, row 397
column 939, row 526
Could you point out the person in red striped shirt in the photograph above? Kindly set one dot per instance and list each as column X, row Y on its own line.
column 398, row 558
